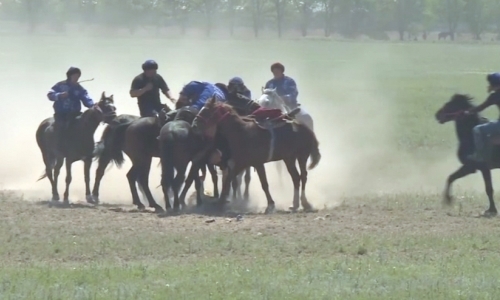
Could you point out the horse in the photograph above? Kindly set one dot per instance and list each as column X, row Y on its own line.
column 243, row 106
column 254, row 144
column 103, row 151
column 81, row 145
column 271, row 99
column 178, row 145
column 453, row 110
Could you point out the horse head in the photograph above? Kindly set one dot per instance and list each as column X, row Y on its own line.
column 106, row 107
column 454, row 108
column 212, row 113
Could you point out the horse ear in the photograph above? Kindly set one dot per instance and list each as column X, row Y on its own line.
column 103, row 95
column 112, row 97
column 262, row 89
column 211, row 101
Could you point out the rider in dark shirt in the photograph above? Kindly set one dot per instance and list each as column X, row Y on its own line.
column 146, row 88
column 483, row 132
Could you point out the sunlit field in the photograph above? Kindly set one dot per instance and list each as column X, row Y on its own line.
column 380, row 233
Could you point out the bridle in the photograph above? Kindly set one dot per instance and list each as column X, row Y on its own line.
column 219, row 114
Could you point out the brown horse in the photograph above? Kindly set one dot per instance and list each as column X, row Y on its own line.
column 80, row 146
column 243, row 106
column 253, row 144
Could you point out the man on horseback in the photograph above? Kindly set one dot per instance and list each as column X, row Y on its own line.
column 146, row 88
column 197, row 93
column 66, row 96
column 483, row 132
column 284, row 85
column 236, row 85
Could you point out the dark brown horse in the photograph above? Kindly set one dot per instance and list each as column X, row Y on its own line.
column 103, row 151
column 80, row 147
column 453, row 110
column 178, row 146
column 254, row 144
column 137, row 138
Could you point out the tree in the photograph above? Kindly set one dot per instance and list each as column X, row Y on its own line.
column 450, row 12
column 305, row 10
column 475, row 16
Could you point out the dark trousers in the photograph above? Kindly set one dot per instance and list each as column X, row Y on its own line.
column 150, row 109
column 63, row 127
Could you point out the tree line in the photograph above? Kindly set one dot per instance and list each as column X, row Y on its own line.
column 347, row 17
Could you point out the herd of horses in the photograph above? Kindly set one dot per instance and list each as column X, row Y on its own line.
column 235, row 135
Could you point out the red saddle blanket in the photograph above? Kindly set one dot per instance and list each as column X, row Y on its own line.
column 265, row 113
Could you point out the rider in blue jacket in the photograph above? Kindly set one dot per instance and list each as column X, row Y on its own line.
column 67, row 96
column 285, row 86
column 198, row 93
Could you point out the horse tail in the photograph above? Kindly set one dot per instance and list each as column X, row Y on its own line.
column 315, row 155
column 109, row 148
column 44, row 175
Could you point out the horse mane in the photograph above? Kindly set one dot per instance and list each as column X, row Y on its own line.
column 465, row 98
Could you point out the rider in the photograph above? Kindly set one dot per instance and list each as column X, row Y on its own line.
column 197, row 93
column 284, row 85
column 67, row 95
column 483, row 131
column 237, row 85
column 146, row 86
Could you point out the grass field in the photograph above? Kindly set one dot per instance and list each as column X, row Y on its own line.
column 381, row 232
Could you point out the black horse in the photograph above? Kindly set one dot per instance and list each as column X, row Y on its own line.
column 453, row 110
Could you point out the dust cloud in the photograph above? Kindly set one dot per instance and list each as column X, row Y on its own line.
column 355, row 119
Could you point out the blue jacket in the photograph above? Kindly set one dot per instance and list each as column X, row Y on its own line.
column 70, row 104
column 286, row 88
column 201, row 92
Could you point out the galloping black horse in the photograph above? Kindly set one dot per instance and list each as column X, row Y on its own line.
column 453, row 110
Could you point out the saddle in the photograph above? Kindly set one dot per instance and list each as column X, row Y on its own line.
column 273, row 118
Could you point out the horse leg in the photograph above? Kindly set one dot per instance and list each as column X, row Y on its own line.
column 215, row 179
column 292, row 169
column 492, row 210
column 132, row 178
column 57, row 171
column 99, row 174
column 193, row 175
column 236, row 186
column 68, row 181
column 179, row 179
column 261, row 171
column 303, row 177
column 461, row 172
column 87, row 163
column 230, row 174
column 143, row 180
column 247, row 182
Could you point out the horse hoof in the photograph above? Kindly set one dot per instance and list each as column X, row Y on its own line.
column 141, row 207
column 95, row 199
column 293, row 208
column 90, row 199
column 308, row 208
column 270, row 209
column 490, row 213
column 448, row 200
column 56, row 198
column 159, row 210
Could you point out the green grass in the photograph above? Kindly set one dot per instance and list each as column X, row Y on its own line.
column 364, row 96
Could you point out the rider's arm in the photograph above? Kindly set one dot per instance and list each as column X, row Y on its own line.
column 164, row 88
column 489, row 101
column 53, row 94
column 291, row 89
column 85, row 98
column 268, row 84
column 137, row 88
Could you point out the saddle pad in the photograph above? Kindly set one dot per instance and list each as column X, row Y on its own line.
column 267, row 113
